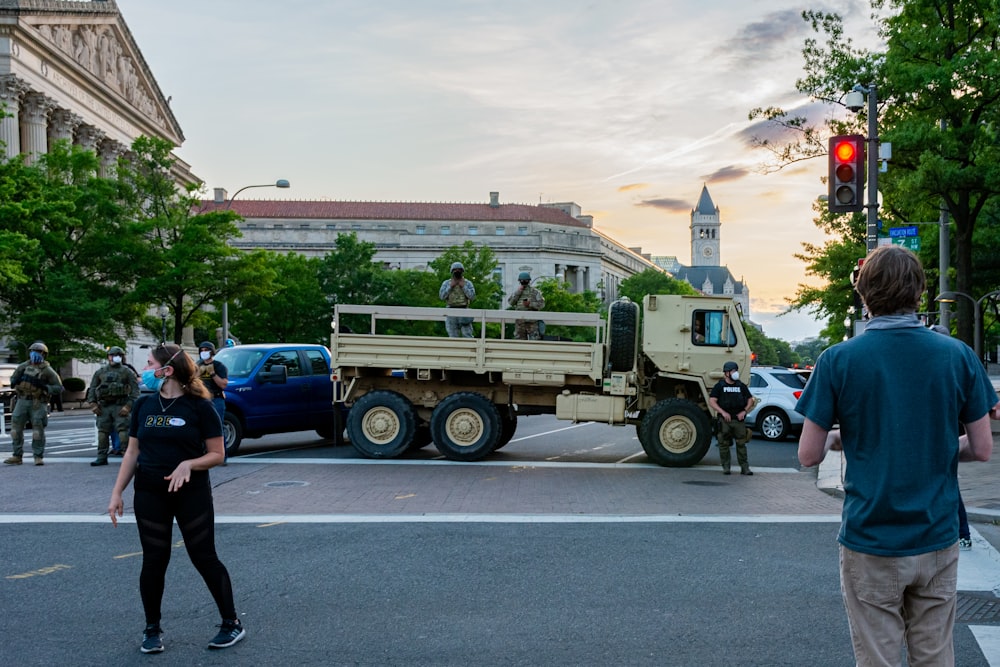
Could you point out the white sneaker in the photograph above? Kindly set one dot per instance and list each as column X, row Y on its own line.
column 965, row 544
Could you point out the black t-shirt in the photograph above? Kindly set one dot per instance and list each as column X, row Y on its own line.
column 731, row 397
column 203, row 372
column 171, row 431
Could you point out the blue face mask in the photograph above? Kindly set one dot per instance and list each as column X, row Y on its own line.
column 36, row 357
column 150, row 380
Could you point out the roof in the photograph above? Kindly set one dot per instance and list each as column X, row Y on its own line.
column 705, row 204
column 362, row 210
column 717, row 275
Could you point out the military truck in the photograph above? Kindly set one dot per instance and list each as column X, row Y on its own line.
column 466, row 394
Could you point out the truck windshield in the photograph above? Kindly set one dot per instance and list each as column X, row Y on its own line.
column 240, row 361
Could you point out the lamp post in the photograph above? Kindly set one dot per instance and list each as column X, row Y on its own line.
column 977, row 323
column 855, row 102
column 280, row 183
column 163, row 322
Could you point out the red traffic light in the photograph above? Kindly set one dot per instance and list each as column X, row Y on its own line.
column 847, row 173
column 845, row 151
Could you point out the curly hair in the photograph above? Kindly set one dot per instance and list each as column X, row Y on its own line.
column 891, row 281
column 185, row 372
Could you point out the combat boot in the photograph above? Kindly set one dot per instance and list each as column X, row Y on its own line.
column 13, row 461
column 39, row 461
column 745, row 470
column 100, row 461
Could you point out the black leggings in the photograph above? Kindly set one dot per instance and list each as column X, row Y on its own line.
column 155, row 511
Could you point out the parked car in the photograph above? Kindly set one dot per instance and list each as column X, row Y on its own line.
column 6, row 392
column 777, row 390
column 277, row 388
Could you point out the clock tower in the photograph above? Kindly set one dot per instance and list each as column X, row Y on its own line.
column 705, row 231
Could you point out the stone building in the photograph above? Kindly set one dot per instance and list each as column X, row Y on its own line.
column 548, row 240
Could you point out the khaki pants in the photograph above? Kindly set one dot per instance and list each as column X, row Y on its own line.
column 908, row 599
column 733, row 432
column 37, row 411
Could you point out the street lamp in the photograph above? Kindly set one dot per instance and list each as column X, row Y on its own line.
column 280, row 183
column 977, row 322
column 163, row 322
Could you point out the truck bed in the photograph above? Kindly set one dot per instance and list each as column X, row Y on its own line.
column 530, row 361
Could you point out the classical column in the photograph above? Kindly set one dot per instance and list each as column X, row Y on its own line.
column 584, row 278
column 62, row 123
column 108, row 151
column 35, row 109
column 11, row 89
column 88, row 136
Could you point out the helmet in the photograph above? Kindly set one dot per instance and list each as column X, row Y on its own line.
column 458, row 266
column 39, row 346
column 116, row 350
column 523, row 275
column 730, row 366
column 207, row 345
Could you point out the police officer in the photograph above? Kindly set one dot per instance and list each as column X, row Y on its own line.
column 113, row 390
column 34, row 381
column 732, row 400
column 526, row 297
column 457, row 292
column 214, row 375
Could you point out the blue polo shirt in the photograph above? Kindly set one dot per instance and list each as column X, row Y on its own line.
column 898, row 395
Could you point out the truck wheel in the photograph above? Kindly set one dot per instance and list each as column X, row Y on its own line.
column 675, row 433
column 624, row 318
column 382, row 424
column 232, row 433
column 508, row 425
column 773, row 425
column 465, row 427
column 422, row 438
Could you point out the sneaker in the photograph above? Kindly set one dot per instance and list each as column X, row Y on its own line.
column 151, row 642
column 13, row 461
column 965, row 544
column 39, row 461
column 230, row 632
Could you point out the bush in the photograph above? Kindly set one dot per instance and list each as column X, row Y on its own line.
column 74, row 384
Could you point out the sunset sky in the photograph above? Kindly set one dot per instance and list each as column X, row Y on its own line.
column 626, row 107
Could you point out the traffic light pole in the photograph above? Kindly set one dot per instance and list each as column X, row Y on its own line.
column 872, row 169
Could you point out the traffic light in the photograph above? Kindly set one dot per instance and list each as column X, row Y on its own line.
column 847, row 173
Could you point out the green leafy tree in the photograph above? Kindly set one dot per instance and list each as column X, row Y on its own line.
column 558, row 299
column 59, row 254
column 185, row 258
column 349, row 274
column 294, row 311
column 413, row 287
column 652, row 281
column 938, row 82
column 480, row 267
column 809, row 350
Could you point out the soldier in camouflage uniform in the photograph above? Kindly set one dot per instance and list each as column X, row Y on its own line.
column 113, row 390
column 526, row 298
column 34, row 381
column 458, row 292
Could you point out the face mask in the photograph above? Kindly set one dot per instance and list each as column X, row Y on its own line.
column 525, row 283
column 116, row 360
column 205, row 355
column 150, row 380
column 36, row 357
column 735, row 375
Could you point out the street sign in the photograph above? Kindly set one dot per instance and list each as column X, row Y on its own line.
column 911, row 242
column 900, row 232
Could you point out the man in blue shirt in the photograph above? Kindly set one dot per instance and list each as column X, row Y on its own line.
column 898, row 392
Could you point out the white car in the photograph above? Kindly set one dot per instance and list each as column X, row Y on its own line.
column 777, row 390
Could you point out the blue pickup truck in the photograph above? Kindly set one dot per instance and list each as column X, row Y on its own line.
column 277, row 388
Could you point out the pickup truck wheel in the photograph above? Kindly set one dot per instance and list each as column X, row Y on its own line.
column 675, row 433
column 232, row 433
column 382, row 424
column 508, row 425
column 773, row 425
column 465, row 427
column 624, row 318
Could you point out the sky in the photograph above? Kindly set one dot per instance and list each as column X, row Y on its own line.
column 626, row 107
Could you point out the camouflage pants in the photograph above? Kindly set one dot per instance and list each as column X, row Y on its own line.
column 730, row 432
column 459, row 327
column 527, row 330
column 107, row 422
column 36, row 411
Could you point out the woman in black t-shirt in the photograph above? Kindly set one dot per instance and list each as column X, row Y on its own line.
column 174, row 438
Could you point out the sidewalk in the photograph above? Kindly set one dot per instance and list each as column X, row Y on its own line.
column 979, row 482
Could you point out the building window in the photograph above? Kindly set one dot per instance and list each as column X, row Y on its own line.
column 251, row 225
column 501, row 231
column 446, row 229
column 421, row 229
column 522, row 231
column 381, row 228
column 331, row 226
column 473, row 230
column 356, row 225
column 279, row 225
column 304, row 225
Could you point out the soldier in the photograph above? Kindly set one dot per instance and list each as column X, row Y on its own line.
column 34, row 381
column 457, row 292
column 113, row 390
column 526, row 298
column 732, row 400
column 214, row 375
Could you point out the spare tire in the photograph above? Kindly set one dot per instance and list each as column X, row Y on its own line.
column 623, row 317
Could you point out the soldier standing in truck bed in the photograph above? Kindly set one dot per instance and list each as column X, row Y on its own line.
column 34, row 381
column 526, row 297
column 113, row 390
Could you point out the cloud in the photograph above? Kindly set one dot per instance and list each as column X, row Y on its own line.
column 633, row 186
column 727, row 173
column 667, row 204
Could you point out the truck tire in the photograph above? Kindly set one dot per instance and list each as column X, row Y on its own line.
column 675, row 433
column 465, row 427
column 508, row 425
column 624, row 318
column 381, row 424
column 232, row 433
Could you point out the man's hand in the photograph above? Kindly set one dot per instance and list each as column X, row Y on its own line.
column 124, row 411
column 96, row 409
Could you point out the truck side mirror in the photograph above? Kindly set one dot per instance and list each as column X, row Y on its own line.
column 277, row 375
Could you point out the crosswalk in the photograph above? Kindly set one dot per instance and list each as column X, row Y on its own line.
column 65, row 442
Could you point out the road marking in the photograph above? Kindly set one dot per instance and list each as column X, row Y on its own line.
column 557, row 430
column 40, row 572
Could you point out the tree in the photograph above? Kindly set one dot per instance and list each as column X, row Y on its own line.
column 349, row 275
column 185, row 258
column 480, row 267
column 938, row 79
column 558, row 299
column 652, row 281
column 295, row 310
